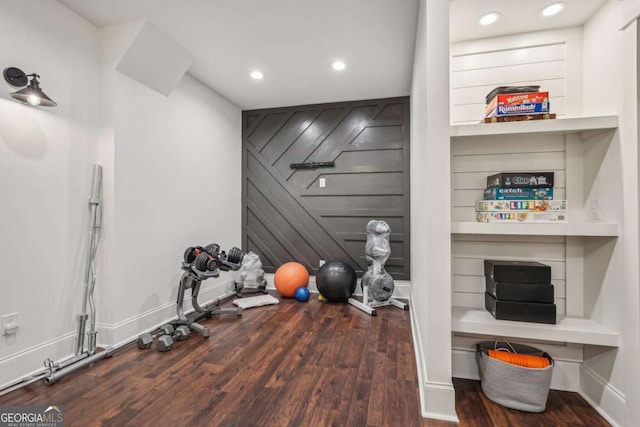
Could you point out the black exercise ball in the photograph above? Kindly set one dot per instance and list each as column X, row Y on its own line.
column 336, row 281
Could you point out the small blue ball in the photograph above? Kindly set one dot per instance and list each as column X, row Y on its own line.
column 302, row 294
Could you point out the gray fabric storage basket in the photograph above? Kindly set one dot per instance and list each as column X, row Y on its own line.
column 513, row 386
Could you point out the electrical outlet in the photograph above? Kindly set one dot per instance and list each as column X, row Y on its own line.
column 323, row 182
column 596, row 209
column 10, row 324
column 321, row 263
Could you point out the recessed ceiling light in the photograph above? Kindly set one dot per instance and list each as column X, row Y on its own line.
column 338, row 65
column 257, row 75
column 553, row 9
column 489, row 18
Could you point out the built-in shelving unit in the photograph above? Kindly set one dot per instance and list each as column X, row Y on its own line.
column 577, row 132
column 540, row 127
column 595, row 229
column 569, row 329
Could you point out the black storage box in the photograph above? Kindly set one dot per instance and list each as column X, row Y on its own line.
column 517, row 272
column 520, row 311
column 524, row 292
column 521, row 180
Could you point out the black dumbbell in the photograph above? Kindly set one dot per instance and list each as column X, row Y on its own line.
column 165, row 342
column 190, row 254
column 235, row 255
column 145, row 340
column 207, row 259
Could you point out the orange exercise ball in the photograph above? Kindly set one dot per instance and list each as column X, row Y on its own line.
column 289, row 277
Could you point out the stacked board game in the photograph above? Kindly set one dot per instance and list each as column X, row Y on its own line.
column 520, row 197
column 516, row 103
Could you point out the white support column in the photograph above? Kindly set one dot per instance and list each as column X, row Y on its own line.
column 431, row 228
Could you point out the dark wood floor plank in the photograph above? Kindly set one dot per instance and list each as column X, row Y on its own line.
column 292, row 364
column 469, row 406
column 378, row 392
column 359, row 404
column 579, row 406
column 292, row 360
column 295, row 396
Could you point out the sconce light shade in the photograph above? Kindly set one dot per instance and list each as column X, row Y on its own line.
column 31, row 94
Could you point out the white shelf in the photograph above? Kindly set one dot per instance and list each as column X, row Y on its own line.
column 570, row 329
column 597, row 229
column 564, row 125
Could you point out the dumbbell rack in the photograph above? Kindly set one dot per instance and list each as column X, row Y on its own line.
column 192, row 279
column 199, row 264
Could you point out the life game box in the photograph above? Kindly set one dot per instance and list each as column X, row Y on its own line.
column 522, row 216
column 521, row 205
column 518, row 193
column 520, row 179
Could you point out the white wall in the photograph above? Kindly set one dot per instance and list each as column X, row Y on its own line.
column 610, row 377
column 430, row 228
column 176, row 164
column 46, row 157
column 171, row 180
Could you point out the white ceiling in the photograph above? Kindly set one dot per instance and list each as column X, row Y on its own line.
column 292, row 41
column 518, row 16
column 295, row 41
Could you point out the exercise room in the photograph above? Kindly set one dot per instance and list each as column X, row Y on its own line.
column 319, row 213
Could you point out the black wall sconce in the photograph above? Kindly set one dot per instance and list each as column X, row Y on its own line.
column 31, row 94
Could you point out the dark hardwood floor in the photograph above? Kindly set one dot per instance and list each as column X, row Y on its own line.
column 293, row 364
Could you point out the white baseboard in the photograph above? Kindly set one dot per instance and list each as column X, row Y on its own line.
column 440, row 402
column 23, row 362
column 606, row 399
column 437, row 400
column 31, row 360
column 566, row 373
column 417, row 349
column 129, row 329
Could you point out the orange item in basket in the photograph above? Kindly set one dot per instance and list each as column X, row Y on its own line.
column 526, row 360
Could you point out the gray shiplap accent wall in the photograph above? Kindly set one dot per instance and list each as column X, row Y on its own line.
column 287, row 216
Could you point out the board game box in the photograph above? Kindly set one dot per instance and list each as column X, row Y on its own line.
column 520, row 179
column 521, row 205
column 518, row 193
column 522, row 216
column 517, row 103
